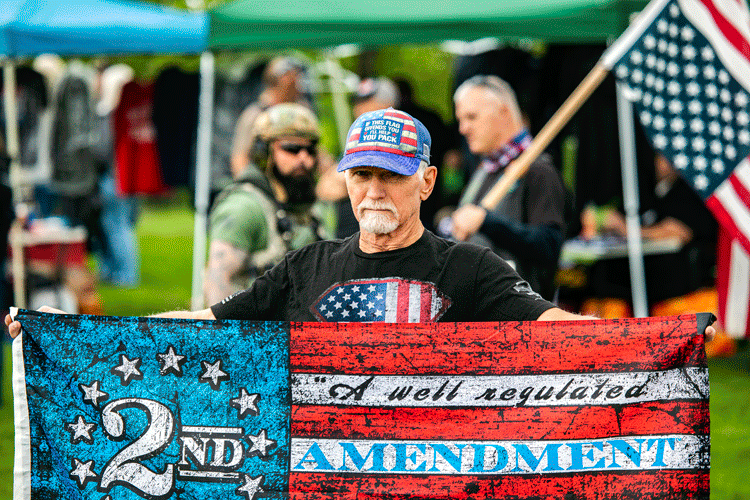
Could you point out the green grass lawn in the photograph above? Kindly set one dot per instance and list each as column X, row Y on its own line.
column 165, row 235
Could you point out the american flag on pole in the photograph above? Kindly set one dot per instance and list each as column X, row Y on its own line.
column 686, row 64
column 129, row 408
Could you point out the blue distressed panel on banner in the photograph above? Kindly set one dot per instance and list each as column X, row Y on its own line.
column 144, row 415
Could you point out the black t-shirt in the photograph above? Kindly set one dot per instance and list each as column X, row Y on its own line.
column 431, row 280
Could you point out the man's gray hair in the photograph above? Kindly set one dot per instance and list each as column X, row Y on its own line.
column 495, row 85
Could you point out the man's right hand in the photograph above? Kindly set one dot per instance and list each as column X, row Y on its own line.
column 14, row 327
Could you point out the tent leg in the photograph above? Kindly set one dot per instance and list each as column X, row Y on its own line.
column 12, row 148
column 202, row 177
column 338, row 98
column 631, row 201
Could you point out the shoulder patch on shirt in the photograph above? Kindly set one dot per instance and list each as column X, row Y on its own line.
column 383, row 300
column 525, row 288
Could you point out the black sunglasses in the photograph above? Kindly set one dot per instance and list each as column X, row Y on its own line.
column 292, row 148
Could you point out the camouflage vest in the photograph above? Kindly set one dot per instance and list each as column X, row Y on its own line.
column 287, row 230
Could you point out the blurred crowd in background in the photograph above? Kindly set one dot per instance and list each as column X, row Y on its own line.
column 96, row 139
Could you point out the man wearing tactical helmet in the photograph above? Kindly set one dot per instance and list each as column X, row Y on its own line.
column 267, row 210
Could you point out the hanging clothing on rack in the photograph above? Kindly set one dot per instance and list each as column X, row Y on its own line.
column 137, row 166
column 176, row 120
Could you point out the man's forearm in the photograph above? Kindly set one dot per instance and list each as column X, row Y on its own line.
column 224, row 262
column 202, row 314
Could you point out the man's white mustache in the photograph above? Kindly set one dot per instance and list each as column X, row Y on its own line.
column 377, row 205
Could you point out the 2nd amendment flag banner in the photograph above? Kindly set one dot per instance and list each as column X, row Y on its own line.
column 111, row 408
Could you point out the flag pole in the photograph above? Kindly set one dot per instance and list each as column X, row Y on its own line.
column 520, row 165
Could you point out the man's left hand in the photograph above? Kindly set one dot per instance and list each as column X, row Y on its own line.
column 467, row 220
column 710, row 333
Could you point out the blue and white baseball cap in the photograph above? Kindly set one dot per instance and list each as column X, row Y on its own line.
column 389, row 139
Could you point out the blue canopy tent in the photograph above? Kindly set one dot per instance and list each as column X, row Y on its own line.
column 90, row 27
column 86, row 27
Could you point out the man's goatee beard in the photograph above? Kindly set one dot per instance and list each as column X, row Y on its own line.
column 374, row 222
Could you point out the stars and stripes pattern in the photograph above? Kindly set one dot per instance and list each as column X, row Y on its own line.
column 521, row 410
column 396, row 133
column 389, row 300
column 686, row 65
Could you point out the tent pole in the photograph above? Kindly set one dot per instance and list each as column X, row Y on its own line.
column 12, row 148
column 338, row 98
column 202, row 177
column 630, row 196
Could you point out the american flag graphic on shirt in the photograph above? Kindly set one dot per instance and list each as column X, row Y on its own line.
column 386, row 300
column 394, row 133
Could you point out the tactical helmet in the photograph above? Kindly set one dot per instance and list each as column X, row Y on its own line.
column 288, row 119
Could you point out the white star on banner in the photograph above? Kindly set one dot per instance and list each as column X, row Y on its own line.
column 251, row 486
column 92, row 393
column 213, row 374
column 260, row 443
column 128, row 369
column 171, row 362
column 80, row 431
column 82, row 471
column 246, row 403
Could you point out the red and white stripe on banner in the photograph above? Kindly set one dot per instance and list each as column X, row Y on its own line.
column 515, row 410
